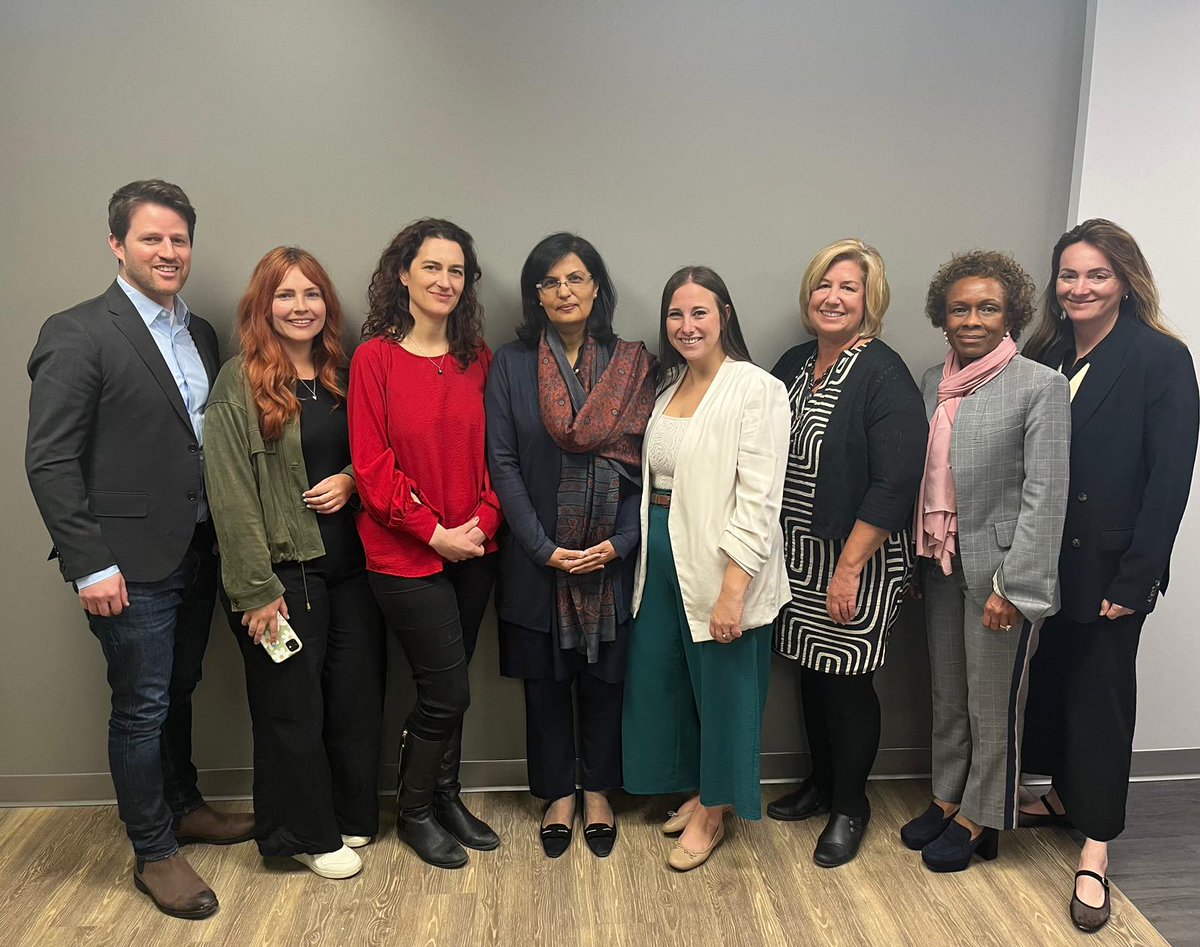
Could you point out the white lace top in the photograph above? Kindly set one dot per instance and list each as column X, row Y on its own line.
column 661, row 448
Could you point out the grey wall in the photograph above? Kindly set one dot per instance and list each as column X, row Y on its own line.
column 745, row 136
column 1154, row 193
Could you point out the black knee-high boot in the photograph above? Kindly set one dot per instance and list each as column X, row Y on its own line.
column 448, row 806
column 420, row 763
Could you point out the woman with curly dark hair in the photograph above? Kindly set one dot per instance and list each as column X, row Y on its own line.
column 429, row 514
column 988, row 526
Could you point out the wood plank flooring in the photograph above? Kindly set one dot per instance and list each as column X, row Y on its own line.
column 65, row 878
column 1156, row 860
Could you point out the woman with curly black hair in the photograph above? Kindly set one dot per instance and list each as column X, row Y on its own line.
column 429, row 513
column 988, row 526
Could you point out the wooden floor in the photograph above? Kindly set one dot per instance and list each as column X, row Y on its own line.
column 65, row 879
column 1156, row 861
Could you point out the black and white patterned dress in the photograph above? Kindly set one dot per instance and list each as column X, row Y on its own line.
column 804, row 629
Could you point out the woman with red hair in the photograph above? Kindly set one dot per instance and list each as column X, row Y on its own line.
column 277, row 463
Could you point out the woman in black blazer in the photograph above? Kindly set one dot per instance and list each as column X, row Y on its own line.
column 1134, row 418
column 567, row 404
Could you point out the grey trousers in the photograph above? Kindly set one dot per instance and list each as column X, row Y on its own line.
column 980, row 681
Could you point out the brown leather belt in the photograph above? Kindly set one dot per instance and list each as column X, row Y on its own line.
column 661, row 498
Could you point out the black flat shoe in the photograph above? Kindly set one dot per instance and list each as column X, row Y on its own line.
column 601, row 837
column 804, row 801
column 1086, row 917
column 1033, row 820
column 922, row 830
column 556, row 837
column 839, row 841
column 952, row 850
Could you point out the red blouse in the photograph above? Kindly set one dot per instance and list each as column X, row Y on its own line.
column 417, row 445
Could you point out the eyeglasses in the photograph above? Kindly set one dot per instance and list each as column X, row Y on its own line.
column 550, row 284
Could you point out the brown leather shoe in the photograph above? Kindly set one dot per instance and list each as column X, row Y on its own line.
column 208, row 826
column 175, row 888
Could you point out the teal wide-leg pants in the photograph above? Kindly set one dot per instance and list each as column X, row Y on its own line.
column 693, row 710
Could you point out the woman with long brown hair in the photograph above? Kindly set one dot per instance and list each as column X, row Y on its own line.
column 429, row 512
column 277, row 462
column 711, row 576
column 1134, row 419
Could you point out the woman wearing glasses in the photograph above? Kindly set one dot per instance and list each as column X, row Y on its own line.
column 712, row 576
column 567, row 404
column 429, row 512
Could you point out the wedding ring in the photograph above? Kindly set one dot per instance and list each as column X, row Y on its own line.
column 1006, row 627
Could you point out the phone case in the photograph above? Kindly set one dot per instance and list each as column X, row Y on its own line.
column 287, row 644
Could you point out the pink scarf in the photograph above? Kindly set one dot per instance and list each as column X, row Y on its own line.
column 937, row 505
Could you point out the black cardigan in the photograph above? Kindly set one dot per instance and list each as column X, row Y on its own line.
column 873, row 455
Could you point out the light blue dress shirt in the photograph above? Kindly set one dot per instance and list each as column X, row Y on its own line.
column 170, row 333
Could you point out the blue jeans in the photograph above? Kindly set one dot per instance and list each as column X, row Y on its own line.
column 154, row 650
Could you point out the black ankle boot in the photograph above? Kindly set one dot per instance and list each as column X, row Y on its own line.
column 420, row 761
column 448, row 806
column 839, row 841
column 803, row 801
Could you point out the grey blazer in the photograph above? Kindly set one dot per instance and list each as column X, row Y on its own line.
column 1010, row 453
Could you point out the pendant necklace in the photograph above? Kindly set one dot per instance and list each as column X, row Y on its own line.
column 311, row 389
column 439, row 364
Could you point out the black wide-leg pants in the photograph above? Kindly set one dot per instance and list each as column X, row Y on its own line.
column 1080, row 714
column 317, row 716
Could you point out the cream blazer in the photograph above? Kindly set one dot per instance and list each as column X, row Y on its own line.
column 726, row 496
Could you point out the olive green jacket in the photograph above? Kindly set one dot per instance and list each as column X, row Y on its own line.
column 255, row 492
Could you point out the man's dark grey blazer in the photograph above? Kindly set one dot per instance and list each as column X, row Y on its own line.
column 111, row 456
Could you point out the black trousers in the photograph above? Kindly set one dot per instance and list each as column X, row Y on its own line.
column 317, row 716
column 841, row 720
column 550, row 734
column 1079, row 717
column 436, row 620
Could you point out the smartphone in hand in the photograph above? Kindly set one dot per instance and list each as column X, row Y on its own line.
column 286, row 644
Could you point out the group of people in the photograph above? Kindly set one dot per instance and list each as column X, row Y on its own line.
column 652, row 530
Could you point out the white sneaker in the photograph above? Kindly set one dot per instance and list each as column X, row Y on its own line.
column 344, row 863
column 356, row 841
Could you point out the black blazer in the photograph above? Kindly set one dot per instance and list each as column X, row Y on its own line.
column 874, row 449
column 525, row 465
column 111, row 456
column 1134, row 427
